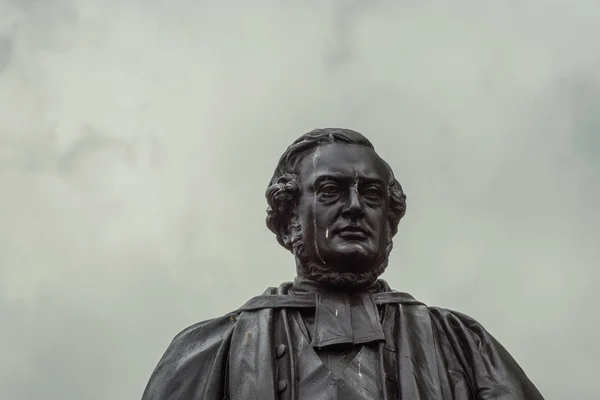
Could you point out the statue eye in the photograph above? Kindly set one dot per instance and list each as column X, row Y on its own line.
column 329, row 190
column 372, row 193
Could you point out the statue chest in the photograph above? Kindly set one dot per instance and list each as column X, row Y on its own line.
column 351, row 375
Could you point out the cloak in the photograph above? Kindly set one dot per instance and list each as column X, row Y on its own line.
column 429, row 353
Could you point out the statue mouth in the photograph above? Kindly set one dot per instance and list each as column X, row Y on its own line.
column 352, row 232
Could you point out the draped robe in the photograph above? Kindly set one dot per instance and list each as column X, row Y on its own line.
column 426, row 353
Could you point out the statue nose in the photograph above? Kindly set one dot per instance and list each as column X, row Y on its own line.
column 354, row 207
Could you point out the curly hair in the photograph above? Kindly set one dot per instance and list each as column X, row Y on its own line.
column 283, row 191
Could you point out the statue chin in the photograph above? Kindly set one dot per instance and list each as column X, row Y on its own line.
column 331, row 276
column 327, row 274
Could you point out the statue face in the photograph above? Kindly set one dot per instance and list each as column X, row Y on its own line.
column 343, row 207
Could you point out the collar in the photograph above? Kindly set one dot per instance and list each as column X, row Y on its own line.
column 343, row 317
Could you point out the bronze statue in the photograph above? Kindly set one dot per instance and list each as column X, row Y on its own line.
column 337, row 331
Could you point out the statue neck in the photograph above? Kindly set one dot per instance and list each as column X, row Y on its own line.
column 306, row 285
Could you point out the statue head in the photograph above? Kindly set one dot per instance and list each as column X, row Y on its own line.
column 335, row 204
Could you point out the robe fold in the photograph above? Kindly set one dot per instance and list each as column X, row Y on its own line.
column 429, row 353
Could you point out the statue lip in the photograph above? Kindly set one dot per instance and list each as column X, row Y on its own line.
column 353, row 230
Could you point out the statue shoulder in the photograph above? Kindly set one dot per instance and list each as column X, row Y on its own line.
column 458, row 325
column 452, row 317
column 195, row 354
column 215, row 326
column 463, row 338
column 210, row 327
column 195, row 362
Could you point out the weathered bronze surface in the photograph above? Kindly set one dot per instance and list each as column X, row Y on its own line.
column 337, row 331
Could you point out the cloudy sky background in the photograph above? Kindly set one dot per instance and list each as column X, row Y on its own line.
column 137, row 139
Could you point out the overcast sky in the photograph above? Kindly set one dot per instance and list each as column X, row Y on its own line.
column 137, row 139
